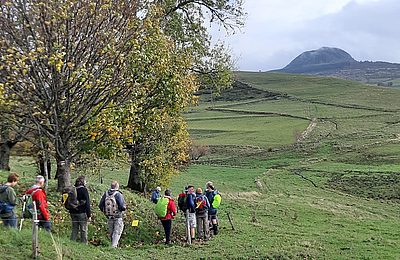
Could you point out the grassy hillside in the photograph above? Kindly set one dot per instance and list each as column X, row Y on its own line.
column 331, row 192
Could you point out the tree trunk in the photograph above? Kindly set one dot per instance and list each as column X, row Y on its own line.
column 44, row 165
column 4, row 157
column 5, row 151
column 135, row 182
column 45, row 169
column 63, row 174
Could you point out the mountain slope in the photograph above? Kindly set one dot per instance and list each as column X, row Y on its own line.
column 322, row 59
column 335, row 62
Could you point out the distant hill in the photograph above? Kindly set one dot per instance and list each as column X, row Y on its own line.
column 338, row 63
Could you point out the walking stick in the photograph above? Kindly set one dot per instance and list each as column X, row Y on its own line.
column 23, row 213
column 35, row 237
column 230, row 220
column 189, row 236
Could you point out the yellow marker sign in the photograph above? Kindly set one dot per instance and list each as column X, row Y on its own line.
column 135, row 223
column 64, row 197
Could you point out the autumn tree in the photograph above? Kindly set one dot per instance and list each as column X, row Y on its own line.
column 64, row 63
column 152, row 121
column 176, row 60
column 95, row 75
column 182, row 24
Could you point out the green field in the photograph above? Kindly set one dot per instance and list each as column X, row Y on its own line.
column 332, row 193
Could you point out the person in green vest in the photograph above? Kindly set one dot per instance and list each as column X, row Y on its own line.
column 214, row 198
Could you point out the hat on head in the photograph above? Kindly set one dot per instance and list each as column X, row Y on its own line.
column 158, row 188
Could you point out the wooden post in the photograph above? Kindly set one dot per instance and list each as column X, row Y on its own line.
column 35, row 238
column 189, row 235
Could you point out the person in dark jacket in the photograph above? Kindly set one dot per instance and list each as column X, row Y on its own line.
column 167, row 220
column 212, row 212
column 8, row 199
column 39, row 197
column 112, row 204
column 191, row 208
column 80, row 216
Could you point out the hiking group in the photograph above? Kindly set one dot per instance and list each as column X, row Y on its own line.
column 34, row 197
column 199, row 209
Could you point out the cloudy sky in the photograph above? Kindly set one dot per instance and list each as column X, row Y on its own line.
column 276, row 31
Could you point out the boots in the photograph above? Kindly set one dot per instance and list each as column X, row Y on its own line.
column 215, row 229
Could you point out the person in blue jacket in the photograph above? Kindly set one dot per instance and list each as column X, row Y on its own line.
column 191, row 208
column 156, row 195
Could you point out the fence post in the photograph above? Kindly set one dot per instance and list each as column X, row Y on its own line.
column 35, row 238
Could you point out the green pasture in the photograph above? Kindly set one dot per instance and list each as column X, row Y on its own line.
column 324, row 89
column 268, row 131
column 334, row 194
column 302, row 109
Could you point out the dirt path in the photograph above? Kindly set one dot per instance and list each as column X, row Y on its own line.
column 308, row 130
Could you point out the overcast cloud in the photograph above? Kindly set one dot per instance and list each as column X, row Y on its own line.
column 277, row 31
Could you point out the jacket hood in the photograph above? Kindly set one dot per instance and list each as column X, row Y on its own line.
column 3, row 188
column 111, row 191
column 168, row 197
column 34, row 187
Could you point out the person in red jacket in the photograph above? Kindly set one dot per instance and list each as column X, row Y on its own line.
column 167, row 220
column 39, row 197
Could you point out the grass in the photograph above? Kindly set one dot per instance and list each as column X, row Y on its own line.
column 333, row 195
column 258, row 131
column 324, row 89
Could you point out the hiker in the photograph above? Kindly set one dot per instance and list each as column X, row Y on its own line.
column 202, row 206
column 8, row 201
column 190, row 206
column 80, row 215
column 214, row 199
column 112, row 204
column 155, row 195
column 39, row 197
column 170, row 213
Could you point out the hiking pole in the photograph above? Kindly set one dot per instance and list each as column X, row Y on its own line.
column 230, row 220
column 189, row 235
column 22, row 217
column 35, row 237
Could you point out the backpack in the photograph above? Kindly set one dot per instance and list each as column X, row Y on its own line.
column 216, row 201
column 201, row 204
column 182, row 201
column 29, row 210
column 162, row 207
column 5, row 207
column 110, row 205
column 69, row 198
